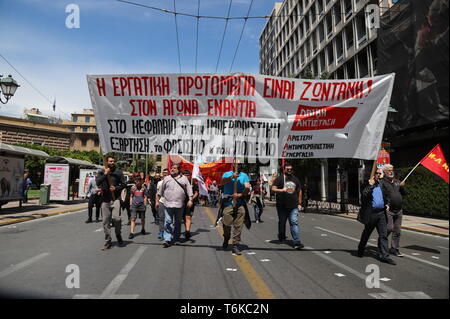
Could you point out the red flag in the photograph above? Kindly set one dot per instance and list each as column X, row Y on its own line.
column 435, row 162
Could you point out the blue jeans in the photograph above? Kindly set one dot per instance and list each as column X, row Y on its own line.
column 283, row 215
column 172, row 223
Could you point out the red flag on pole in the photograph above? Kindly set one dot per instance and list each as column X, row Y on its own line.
column 435, row 162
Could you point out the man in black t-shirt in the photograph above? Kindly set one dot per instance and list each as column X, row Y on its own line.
column 288, row 202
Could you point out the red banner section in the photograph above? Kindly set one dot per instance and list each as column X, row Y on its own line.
column 435, row 162
column 210, row 171
column 383, row 157
column 322, row 118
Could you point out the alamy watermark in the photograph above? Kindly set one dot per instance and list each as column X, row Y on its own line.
column 73, row 19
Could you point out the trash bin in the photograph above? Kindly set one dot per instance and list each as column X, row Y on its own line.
column 44, row 196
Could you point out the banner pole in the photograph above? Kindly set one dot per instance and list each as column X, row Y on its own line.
column 410, row 172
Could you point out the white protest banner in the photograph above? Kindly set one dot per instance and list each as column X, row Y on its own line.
column 243, row 115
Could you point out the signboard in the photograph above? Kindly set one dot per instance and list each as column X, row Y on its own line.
column 242, row 115
column 57, row 175
column 85, row 176
column 11, row 177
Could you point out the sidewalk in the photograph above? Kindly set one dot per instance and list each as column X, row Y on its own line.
column 11, row 213
column 427, row 225
column 421, row 224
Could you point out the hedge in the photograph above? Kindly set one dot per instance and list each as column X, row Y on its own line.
column 427, row 193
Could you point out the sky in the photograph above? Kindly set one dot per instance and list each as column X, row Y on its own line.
column 116, row 38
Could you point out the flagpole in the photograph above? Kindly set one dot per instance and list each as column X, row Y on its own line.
column 410, row 172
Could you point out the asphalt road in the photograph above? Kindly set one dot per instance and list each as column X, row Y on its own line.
column 34, row 257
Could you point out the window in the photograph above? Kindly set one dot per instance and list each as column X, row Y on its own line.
column 348, row 8
column 87, row 119
column 361, row 29
column 373, row 52
column 349, row 35
column 330, row 55
column 74, row 118
column 362, row 64
column 337, row 13
column 85, row 129
column 83, row 143
column 351, row 69
column 339, row 48
column 72, row 128
column 96, row 143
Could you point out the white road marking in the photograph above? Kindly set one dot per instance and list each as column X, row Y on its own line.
column 415, row 254
column 408, row 294
column 327, row 252
column 264, row 259
column 267, row 240
column 100, row 229
column 384, row 279
column 250, row 253
column 339, row 274
column 120, row 278
column 387, row 289
column 323, row 235
column 111, row 289
column 407, row 256
column 12, row 226
column 21, row 265
column 434, row 257
column 231, row 269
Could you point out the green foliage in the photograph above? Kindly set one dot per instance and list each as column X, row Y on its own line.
column 427, row 193
column 307, row 73
column 36, row 164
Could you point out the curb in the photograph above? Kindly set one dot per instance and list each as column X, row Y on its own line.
column 28, row 218
column 409, row 228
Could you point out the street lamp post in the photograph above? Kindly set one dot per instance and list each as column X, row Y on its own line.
column 8, row 87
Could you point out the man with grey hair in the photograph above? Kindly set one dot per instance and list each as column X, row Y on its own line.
column 395, row 190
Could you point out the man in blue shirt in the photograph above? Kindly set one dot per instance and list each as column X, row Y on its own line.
column 233, row 202
column 373, row 214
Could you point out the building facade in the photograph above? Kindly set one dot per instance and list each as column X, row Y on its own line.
column 15, row 130
column 327, row 38
column 84, row 131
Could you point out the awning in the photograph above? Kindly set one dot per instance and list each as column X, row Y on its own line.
column 19, row 150
column 71, row 161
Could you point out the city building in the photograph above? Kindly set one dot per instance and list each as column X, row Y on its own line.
column 16, row 130
column 84, row 131
column 327, row 38
column 323, row 39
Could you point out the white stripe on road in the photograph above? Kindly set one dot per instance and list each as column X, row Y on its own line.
column 119, row 279
column 407, row 256
column 22, row 265
column 390, row 291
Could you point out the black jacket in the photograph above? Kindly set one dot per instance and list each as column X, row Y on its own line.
column 117, row 180
column 394, row 194
column 366, row 202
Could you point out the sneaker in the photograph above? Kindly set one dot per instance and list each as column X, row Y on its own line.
column 257, row 221
column 298, row 246
column 143, row 231
column 97, row 220
column 119, row 240
column 166, row 245
column 395, row 252
column 388, row 261
column 107, row 245
column 187, row 235
column 131, row 236
column 225, row 242
column 236, row 250
column 88, row 221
